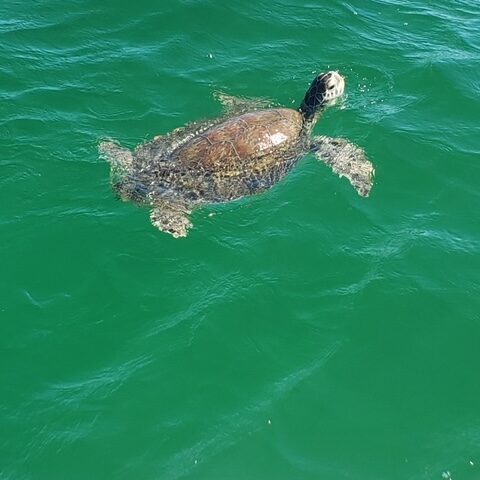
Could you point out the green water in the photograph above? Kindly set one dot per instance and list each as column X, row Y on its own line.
column 303, row 334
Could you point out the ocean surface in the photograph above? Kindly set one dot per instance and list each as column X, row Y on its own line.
column 303, row 334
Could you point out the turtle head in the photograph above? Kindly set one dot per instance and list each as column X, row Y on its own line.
column 323, row 91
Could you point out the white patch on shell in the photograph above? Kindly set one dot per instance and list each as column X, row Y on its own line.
column 278, row 138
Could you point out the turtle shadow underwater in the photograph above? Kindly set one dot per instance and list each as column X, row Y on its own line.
column 245, row 151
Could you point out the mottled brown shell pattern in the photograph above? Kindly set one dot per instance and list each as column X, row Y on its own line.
column 241, row 156
column 242, row 143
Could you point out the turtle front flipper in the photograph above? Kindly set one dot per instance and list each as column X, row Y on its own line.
column 238, row 105
column 171, row 217
column 346, row 160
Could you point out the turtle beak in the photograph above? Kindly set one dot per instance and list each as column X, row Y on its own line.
column 339, row 83
column 335, row 86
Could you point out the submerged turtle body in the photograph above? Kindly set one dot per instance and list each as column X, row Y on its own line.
column 246, row 152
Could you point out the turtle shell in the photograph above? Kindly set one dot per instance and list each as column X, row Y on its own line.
column 240, row 144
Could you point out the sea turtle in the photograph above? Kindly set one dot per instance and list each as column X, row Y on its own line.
column 246, row 151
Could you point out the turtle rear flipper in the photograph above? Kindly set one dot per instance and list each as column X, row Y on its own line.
column 119, row 158
column 171, row 217
column 346, row 160
column 116, row 155
column 124, row 183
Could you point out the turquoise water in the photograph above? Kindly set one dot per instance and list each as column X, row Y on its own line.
column 303, row 334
